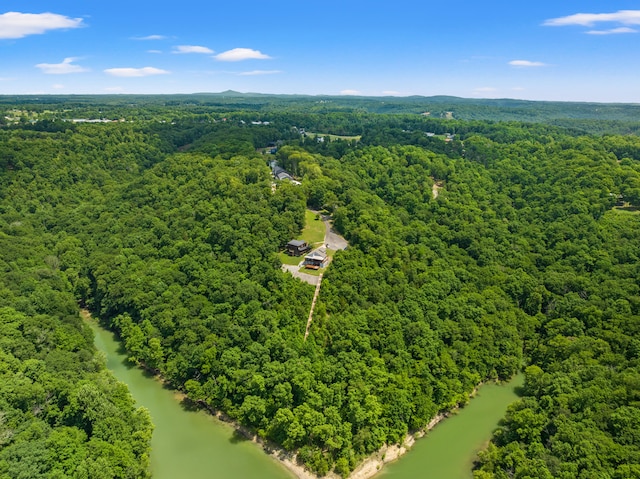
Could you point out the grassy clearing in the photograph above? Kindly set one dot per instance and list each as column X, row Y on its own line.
column 286, row 259
column 312, row 272
column 313, row 231
column 335, row 137
column 629, row 210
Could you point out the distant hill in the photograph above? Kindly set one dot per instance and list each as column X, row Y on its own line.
column 583, row 116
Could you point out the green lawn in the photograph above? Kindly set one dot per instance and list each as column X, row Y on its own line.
column 335, row 137
column 286, row 259
column 313, row 231
column 312, row 272
column 633, row 210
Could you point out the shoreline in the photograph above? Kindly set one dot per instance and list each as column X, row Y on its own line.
column 375, row 463
column 369, row 467
column 284, row 458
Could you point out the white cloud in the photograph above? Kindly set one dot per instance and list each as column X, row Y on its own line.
column 191, row 49
column 391, row 93
column 135, row 72
column 526, row 64
column 612, row 31
column 350, row 92
column 518, row 88
column 154, row 51
column 239, row 54
column 623, row 17
column 19, row 25
column 63, row 68
column 57, row 86
column 114, row 89
column 259, row 72
column 150, row 37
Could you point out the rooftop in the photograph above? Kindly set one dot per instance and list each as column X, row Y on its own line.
column 297, row 243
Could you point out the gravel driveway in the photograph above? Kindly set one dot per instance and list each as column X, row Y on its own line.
column 307, row 278
column 333, row 240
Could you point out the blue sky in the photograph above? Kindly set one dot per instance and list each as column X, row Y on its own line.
column 544, row 50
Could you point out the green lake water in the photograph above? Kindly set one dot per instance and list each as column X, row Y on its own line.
column 186, row 444
column 449, row 449
column 195, row 445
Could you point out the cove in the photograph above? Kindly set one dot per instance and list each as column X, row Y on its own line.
column 449, row 449
column 186, row 443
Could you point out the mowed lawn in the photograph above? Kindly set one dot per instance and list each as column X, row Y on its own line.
column 312, row 233
column 335, row 137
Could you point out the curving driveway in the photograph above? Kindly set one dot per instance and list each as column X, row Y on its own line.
column 333, row 240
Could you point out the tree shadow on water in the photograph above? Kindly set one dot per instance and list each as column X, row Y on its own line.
column 190, row 405
column 125, row 360
column 237, row 437
column 128, row 364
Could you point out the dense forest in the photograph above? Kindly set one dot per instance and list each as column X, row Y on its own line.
column 167, row 225
column 62, row 414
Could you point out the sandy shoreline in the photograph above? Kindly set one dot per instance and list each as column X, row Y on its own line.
column 373, row 464
column 368, row 468
column 389, row 453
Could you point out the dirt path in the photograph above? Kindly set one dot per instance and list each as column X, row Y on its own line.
column 332, row 241
column 313, row 306
column 435, row 189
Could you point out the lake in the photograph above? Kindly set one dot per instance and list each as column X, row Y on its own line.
column 196, row 445
column 185, row 443
column 449, row 449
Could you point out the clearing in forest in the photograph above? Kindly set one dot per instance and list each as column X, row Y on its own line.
column 319, row 234
column 334, row 137
column 313, row 233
